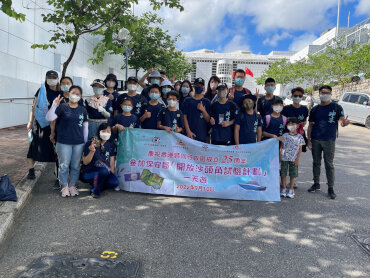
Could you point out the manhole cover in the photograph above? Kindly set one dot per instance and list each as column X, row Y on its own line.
column 363, row 241
column 76, row 267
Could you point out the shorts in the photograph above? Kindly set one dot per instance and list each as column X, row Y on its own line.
column 288, row 165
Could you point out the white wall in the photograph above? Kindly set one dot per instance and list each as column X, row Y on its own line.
column 22, row 69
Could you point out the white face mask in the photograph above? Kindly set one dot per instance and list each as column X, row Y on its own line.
column 52, row 82
column 325, row 97
column 65, row 88
column 297, row 100
column 104, row 136
column 74, row 98
column 111, row 84
column 277, row 108
column 172, row 103
column 292, row 128
column 131, row 87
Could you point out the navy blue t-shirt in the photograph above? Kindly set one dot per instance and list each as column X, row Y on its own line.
column 300, row 113
column 126, row 121
column 114, row 100
column 70, row 129
column 50, row 95
column 227, row 111
column 197, row 123
column 138, row 100
column 181, row 102
column 150, row 123
column 102, row 155
column 276, row 125
column 95, row 114
column 145, row 92
column 248, row 126
column 264, row 106
column 238, row 97
column 171, row 119
column 326, row 119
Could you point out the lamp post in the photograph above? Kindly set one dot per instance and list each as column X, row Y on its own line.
column 124, row 35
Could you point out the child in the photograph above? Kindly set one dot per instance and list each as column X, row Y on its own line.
column 196, row 113
column 291, row 150
column 222, row 117
column 274, row 124
column 170, row 118
column 248, row 124
column 126, row 119
column 150, row 110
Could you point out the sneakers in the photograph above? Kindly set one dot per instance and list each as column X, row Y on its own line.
column 331, row 193
column 94, row 195
column 73, row 190
column 31, row 174
column 315, row 187
column 290, row 194
column 65, row 192
column 117, row 188
column 283, row 193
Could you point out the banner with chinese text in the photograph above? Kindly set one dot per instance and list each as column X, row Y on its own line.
column 156, row 162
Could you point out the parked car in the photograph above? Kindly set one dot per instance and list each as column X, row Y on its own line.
column 356, row 106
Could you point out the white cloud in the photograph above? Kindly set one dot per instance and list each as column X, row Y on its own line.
column 273, row 41
column 237, row 43
column 363, row 8
column 302, row 41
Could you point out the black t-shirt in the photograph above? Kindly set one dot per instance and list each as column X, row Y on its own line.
column 223, row 113
column 197, row 123
column 70, row 124
column 171, row 119
column 248, row 126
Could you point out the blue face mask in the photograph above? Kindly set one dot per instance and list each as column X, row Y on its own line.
column 198, row 90
column 126, row 108
column 154, row 96
column 154, row 82
column 239, row 81
column 166, row 90
column 185, row 90
column 270, row 89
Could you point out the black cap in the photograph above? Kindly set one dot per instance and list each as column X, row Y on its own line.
column 132, row 78
column 111, row 76
column 52, row 73
column 252, row 97
column 222, row 86
column 199, row 80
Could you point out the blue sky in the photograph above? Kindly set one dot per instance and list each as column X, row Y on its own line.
column 259, row 26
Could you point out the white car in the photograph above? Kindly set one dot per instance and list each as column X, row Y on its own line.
column 288, row 100
column 356, row 106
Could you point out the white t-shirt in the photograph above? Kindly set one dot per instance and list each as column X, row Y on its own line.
column 291, row 144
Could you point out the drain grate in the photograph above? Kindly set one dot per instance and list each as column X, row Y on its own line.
column 363, row 241
column 64, row 266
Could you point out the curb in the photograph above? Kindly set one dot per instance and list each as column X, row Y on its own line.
column 10, row 210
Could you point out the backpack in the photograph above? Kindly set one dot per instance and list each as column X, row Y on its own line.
column 262, row 100
column 41, row 107
column 268, row 119
column 7, row 190
column 336, row 109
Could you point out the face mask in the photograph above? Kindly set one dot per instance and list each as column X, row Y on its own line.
column 131, row 87
column 325, row 97
column 213, row 85
column 74, row 98
column 98, row 91
column 198, row 90
column 270, row 89
column 248, row 106
column 154, row 96
column 239, row 81
column 292, row 128
column 297, row 100
column 154, row 82
column 126, row 108
column 104, row 136
column 65, row 88
column 111, row 84
column 222, row 94
column 177, row 87
column 52, row 82
column 277, row 108
column 185, row 90
column 172, row 103
column 166, row 90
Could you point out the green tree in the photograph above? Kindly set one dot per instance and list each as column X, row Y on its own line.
column 97, row 17
column 176, row 65
column 6, row 7
column 360, row 60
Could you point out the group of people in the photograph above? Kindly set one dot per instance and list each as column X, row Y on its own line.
column 87, row 130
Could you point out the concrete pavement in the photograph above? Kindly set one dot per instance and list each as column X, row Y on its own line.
column 187, row 237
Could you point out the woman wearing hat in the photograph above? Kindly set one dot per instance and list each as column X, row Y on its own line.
column 99, row 107
column 166, row 87
column 111, row 84
column 154, row 77
column 41, row 148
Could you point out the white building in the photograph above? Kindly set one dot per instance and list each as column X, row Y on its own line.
column 208, row 63
column 22, row 69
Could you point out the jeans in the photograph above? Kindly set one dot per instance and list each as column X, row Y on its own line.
column 328, row 148
column 69, row 156
column 93, row 128
column 100, row 179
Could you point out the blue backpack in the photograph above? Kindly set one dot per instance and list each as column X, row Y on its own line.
column 42, row 107
column 7, row 190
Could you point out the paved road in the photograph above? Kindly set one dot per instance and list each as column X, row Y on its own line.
column 185, row 237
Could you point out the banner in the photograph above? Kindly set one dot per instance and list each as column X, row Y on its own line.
column 157, row 162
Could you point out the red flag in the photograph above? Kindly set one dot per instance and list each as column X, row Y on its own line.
column 248, row 71
column 233, row 74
